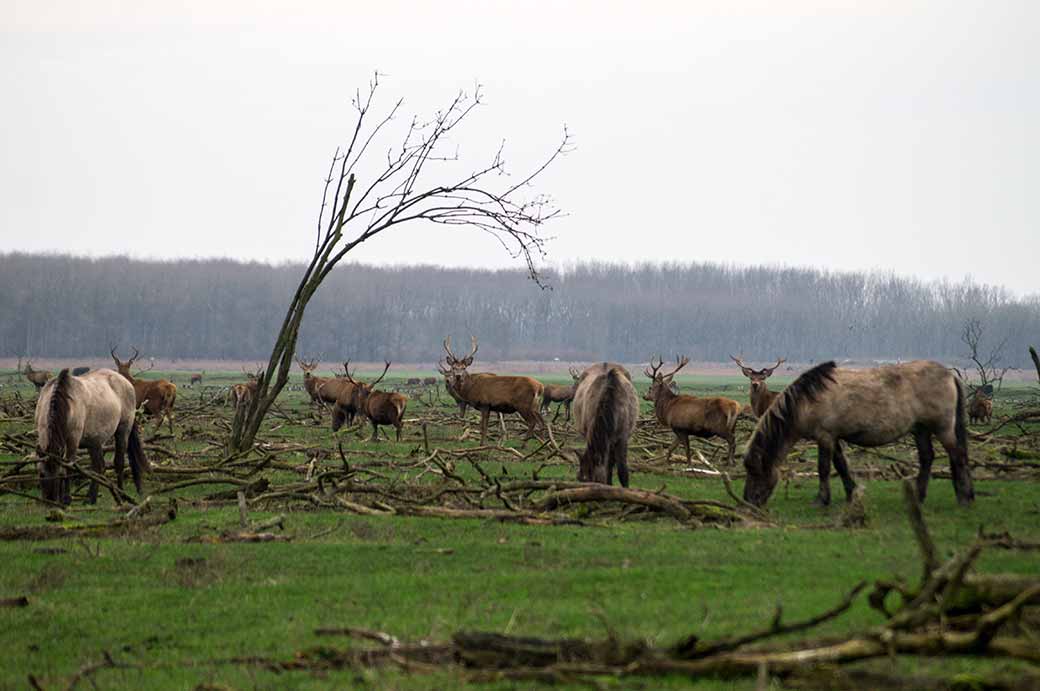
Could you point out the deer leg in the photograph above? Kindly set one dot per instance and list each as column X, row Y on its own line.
column 375, row 431
column 686, row 445
column 398, row 426
column 485, row 413
column 557, row 413
column 731, row 448
column 925, row 456
column 675, row 444
column 823, row 468
column 568, row 418
column 169, row 419
column 842, row 467
column 502, row 423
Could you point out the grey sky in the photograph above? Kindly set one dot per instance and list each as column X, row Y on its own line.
column 844, row 135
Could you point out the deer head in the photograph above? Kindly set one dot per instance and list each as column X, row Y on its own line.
column 758, row 377
column 660, row 381
column 307, row 366
column 364, row 388
column 457, row 366
column 575, row 373
column 123, row 366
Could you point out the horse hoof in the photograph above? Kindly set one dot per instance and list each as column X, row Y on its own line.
column 821, row 502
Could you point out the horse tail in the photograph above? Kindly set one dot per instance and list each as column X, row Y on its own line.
column 135, row 450
column 59, row 439
column 604, row 421
column 960, row 430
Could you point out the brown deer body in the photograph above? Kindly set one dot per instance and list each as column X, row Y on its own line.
column 429, row 381
column 38, row 377
column 561, row 395
column 86, row 412
column 981, row 408
column 606, row 409
column 495, row 394
column 196, row 379
column 872, row 407
column 380, row 407
column 690, row 416
column 156, row 397
column 761, row 396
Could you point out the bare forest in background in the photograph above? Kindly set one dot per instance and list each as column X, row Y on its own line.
column 63, row 306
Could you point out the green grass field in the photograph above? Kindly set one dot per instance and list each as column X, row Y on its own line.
column 183, row 614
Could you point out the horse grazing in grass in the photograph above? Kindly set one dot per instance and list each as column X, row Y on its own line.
column 868, row 407
column 86, row 412
column 606, row 409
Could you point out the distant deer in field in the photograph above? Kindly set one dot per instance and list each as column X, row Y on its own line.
column 560, row 394
column 413, row 381
column 522, row 395
column 196, row 378
column 380, row 407
column 690, row 415
column 242, row 394
column 429, row 381
column 981, row 408
column 156, row 396
column 761, row 396
column 38, row 377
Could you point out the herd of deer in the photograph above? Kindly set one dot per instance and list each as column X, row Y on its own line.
column 825, row 404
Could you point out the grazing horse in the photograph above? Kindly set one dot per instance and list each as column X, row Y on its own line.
column 606, row 409
column 86, row 412
column 869, row 408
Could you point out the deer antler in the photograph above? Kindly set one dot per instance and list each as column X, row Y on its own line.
column 652, row 370
column 680, row 362
column 574, row 372
column 113, row 352
column 469, row 358
column 446, row 370
column 136, row 355
column 451, row 359
column 385, row 370
column 769, row 370
column 743, row 368
column 346, row 370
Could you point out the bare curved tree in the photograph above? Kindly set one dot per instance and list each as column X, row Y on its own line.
column 406, row 190
column 988, row 366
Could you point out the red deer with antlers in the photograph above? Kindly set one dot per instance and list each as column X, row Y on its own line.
column 690, row 415
column 561, row 395
column 492, row 393
column 380, row 407
column 324, row 391
column 156, row 396
column 761, row 396
column 38, row 377
column 242, row 394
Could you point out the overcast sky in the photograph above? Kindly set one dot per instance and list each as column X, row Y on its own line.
column 845, row 135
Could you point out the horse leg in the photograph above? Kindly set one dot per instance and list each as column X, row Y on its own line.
column 959, row 470
column 843, row 471
column 823, row 468
column 621, row 456
column 97, row 464
column 925, row 456
column 119, row 458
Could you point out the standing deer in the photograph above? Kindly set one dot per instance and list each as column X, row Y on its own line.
column 761, row 396
column 196, row 378
column 380, row 407
column 324, row 391
column 242, row 394
column 981, row 408
column 491, row 393
column 606, row 409
column 561, row 395
column 872, row 407
column 88, row 412
column 38, row 377
column 686, row 415
column 157, row 396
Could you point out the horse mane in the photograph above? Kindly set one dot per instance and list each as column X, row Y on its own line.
column 58, row 417
column 777, row 425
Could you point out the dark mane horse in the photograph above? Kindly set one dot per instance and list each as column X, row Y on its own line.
column 86, row 411
column 869, row 408
column 606, row 409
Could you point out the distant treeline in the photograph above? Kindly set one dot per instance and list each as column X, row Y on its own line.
column 62, row 306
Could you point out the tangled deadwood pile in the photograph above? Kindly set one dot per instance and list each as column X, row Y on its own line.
column 953, row 611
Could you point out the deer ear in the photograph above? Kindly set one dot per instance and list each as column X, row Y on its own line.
column 467, row 362
column 673, row 387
